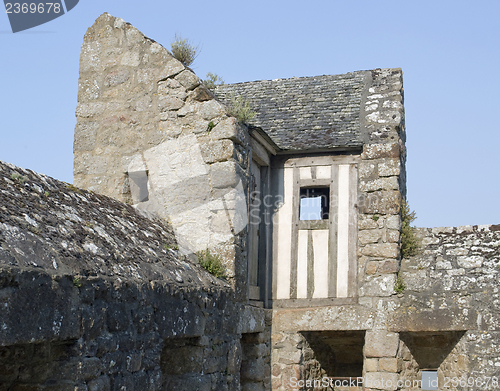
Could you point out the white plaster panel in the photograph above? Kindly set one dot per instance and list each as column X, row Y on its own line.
column 323, row 172
column 320, row 251
column 305, row 173
column 302, row 264
column 285, row 214
column 343, row 231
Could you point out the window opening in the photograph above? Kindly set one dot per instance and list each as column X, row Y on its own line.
column 139, row 186
column 314, row 203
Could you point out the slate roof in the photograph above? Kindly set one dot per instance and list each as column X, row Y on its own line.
column 54, row 227
column 306, row 113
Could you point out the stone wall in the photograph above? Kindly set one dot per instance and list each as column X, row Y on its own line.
column 144, row 119
column 99, row 334
column 94, row 297
column 452, row 287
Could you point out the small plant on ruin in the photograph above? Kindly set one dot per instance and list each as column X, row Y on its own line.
column 171, row 247
column 212, row 263
column 18, row 177
column 73, row 188
column 375, row 217
column 240, row 109
column 399, row 284
column 210, row 126
column 77, row 282
column 410, row 245
column 212, row 81
column 183, row 50
column 46, row 193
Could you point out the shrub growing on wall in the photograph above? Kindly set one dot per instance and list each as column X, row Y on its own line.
column 410, row 244
column 212, row 81
column 212, row 263
column 240, row 109
column 183, row 50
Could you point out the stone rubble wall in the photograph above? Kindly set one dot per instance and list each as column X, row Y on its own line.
column 105, row 334
column 140, row 109
column 453, row 285
column 382, row 186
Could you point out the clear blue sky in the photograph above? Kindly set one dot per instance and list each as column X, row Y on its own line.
column 449, row 52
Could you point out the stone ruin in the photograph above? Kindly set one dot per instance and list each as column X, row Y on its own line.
column 100, row 286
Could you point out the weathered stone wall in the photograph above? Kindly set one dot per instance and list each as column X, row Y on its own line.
column 382, row 185
column 94, row 297
column 453, row 286
column 141, row 112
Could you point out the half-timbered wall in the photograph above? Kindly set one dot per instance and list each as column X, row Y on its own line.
column 315, row 228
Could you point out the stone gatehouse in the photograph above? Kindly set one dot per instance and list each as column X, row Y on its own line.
column 100, row 284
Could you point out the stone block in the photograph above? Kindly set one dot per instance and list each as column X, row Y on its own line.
column 173, row 88
column 393, row 236
column 381, row 343
column 181, row 360
column 378, row 286
column 388, row 266
column 252, row 321
column 387, row 364
column 380, row 202
column 417, row 281
column 470, row 262
column 225, row 175
column 170, row 129
column 259, row 350
column 211, row 109
column 130, row 59
column 169, row 103
column 217, row 151
column 382, row 250
column 371, row 365
column 389, row 167
column 117, row 77
column 388, row 183
column 88, row 89
column 381, row 381
column 230, row 129
column 369, row 236
column 202, row 94
column 393, row 222
column 377, row 151
column 187, row 110
column 172, row 68
column 371, row 267
column 253, row 370
column 366, row 169
column 451, row 251
column 188, row 79
column 133, row 362
column 100, row 384
column 367, row 222
column 85, row 136
column 117, row 318
column 91, row 109
column 442, row 264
